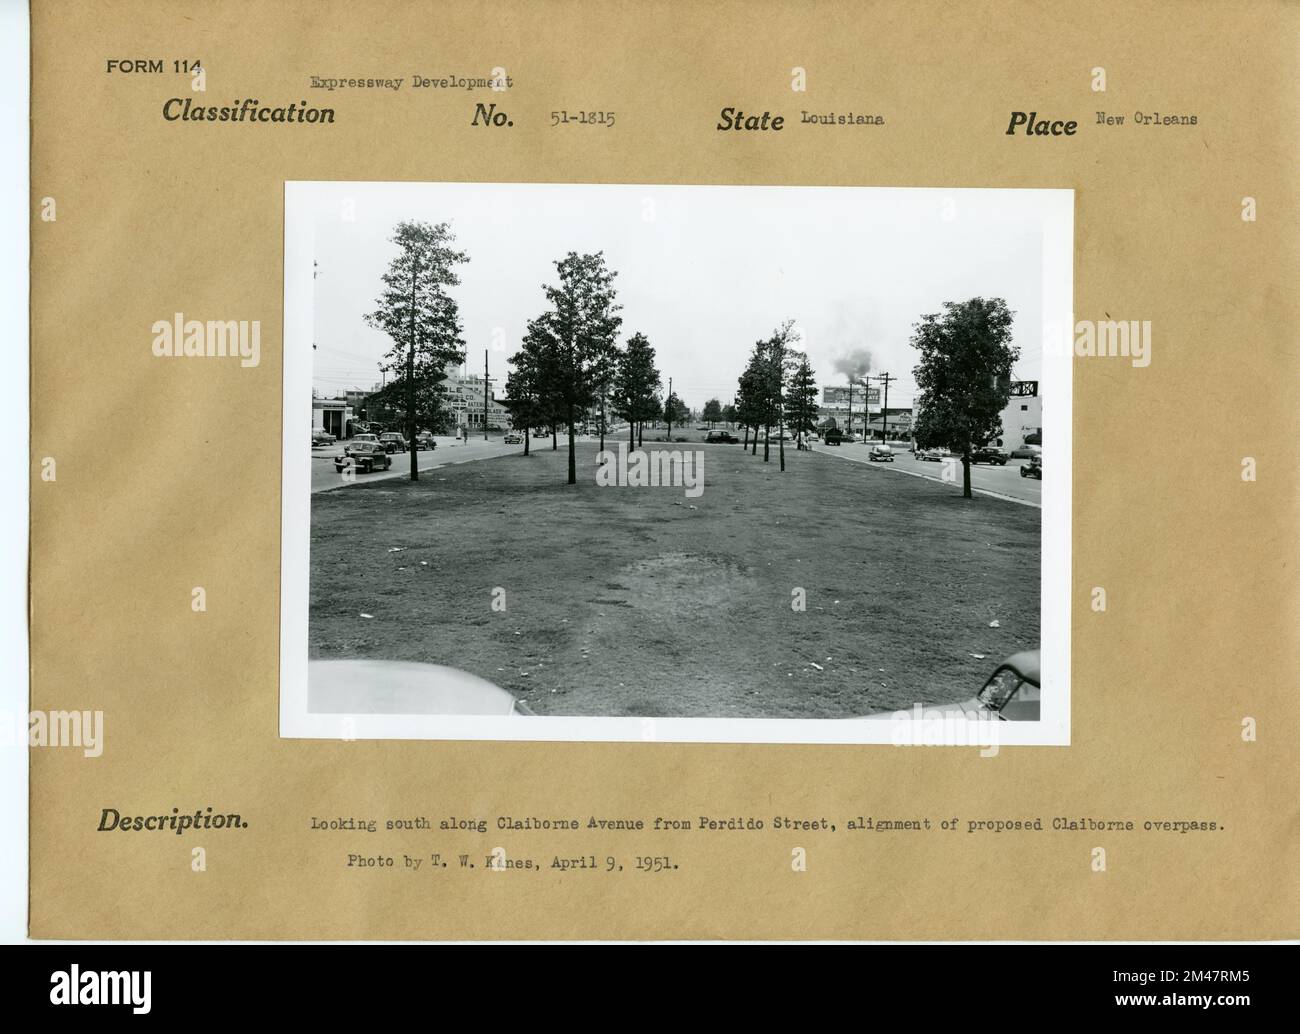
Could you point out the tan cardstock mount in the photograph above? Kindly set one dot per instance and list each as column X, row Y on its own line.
column 155, row 495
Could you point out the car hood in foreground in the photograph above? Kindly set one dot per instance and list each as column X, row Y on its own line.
column 402, row 687
column 966, row 707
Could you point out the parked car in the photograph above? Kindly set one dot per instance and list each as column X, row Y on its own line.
column 1032, row 469
column 373, row 438
column 321, row 438
column 1026, row 451
column 514, row 438
column 393, row 441
column 364, row 456
column 881, row 452
column 424, row 440
column 989, row 454
column 933, row 455
column 725, row 437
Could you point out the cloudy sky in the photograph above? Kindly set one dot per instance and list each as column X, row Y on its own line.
column 703, row 271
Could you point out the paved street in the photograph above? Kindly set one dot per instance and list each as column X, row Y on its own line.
column 1003, row 481
column 448, row 452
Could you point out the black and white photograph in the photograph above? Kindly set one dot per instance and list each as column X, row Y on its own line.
column 694, row 462
column 734, row 478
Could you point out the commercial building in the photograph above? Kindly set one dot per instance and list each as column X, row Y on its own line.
column 465, row 401
column 332, row 415
column 1023, row 416
column 844, row 407
column 898, row 423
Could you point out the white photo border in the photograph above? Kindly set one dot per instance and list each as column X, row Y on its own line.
column 304, row 200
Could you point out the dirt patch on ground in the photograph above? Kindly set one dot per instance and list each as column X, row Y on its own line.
column 642, row 601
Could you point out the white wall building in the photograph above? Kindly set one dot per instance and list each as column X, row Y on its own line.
column 330, row 415
column 1022, row 417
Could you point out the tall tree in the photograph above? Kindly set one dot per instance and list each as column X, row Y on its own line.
column 712, row 412
column 729, row 414
column 963, row 377
column 422, row 319
column 654, row 407
column 748, row 402
column 801, row 397
column 675, row 411
column 524, row 389
column 634, row 393
column 780, row 358
column 764, row 386
column 576, row 335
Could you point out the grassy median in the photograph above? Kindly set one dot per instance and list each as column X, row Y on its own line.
column 642, row 601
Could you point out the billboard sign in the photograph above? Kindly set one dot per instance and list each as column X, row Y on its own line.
column 838, row 395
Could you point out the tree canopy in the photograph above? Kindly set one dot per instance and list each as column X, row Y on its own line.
column 963, row 376
column 571, row 344
column 422, row 319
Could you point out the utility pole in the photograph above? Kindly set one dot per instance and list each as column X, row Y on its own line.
column 485, row 394
column 884, row 379
column 850, row 427
column 669, row 407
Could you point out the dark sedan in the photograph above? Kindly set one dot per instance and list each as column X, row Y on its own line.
column 365, row 457
column 989, row 454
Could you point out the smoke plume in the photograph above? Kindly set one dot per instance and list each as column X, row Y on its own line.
column 855, row 365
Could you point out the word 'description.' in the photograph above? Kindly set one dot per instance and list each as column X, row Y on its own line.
column 215, row 339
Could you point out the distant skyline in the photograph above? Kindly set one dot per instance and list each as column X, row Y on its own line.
column 703, row 271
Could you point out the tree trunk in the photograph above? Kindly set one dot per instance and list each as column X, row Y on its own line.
column 631, row 435
column 767, row 442
column 573, row 462
column 965, row 474
column 745, row 444
column 753, row 446
column 410, row 381
column 640, row 434
column 780, row 443
column 602, row 423
column 528, row 433
column 555, row 436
